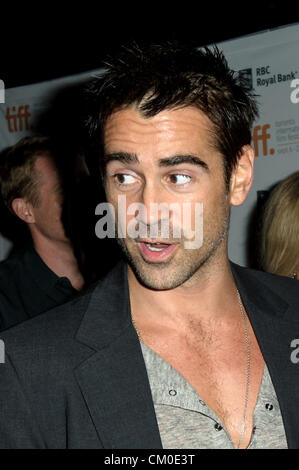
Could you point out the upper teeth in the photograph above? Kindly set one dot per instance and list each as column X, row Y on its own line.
column 153, row 248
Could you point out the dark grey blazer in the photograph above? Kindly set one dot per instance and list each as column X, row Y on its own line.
column 74, row 377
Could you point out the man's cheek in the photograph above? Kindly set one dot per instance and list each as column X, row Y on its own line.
column 193, row 225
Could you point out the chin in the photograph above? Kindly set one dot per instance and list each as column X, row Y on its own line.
column 153, row 282
column 171, row 274
column 162, row 276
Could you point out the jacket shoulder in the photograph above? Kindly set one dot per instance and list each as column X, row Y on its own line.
column 285, row 287
column 55, row 328
column 8, row 266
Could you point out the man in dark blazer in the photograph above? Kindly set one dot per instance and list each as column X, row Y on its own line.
column 176, row 347
column 76, row 377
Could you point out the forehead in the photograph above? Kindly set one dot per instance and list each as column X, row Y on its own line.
column 128, row 130
column 46, row 169
column 45, row 163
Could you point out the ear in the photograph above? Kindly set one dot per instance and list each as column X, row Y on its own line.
column 23, row 209
column 242, row 176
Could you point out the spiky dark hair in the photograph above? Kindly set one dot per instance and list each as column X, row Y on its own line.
column 171, row 75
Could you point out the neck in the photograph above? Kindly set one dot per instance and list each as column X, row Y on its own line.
column 59, row 257
column 210, row 296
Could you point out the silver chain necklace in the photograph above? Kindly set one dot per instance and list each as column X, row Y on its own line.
column 247, row 370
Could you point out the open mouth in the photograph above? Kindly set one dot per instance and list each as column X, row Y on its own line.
column 157, row 246
column 157, row 251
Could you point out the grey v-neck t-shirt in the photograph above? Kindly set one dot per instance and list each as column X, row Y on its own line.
column 186, row 422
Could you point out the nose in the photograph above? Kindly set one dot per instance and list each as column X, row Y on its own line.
column 153, row 206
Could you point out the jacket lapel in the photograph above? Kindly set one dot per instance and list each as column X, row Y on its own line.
column 114, row 380
column 276, row 324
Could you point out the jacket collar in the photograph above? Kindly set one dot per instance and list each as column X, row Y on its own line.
column 275, row 324
column 114, row 381
column 108, row 312
column 257, row 296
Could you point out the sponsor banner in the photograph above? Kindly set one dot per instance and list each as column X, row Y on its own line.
column 23, row 106
column 269, row 63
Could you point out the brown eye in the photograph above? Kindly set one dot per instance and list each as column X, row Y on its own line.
column 120, row 178
column 124, row 179
column 179, row 179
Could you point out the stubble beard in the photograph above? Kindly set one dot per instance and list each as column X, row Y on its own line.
column 179, row 269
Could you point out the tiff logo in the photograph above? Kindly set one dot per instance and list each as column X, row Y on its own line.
column 18, row 120
column 2, row 92
column 260, row 134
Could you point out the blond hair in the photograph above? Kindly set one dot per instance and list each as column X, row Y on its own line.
column 280, row 228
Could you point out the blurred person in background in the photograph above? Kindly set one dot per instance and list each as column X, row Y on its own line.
column 280, row 229
column 44, row 273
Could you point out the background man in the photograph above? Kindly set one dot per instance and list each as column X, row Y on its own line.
column 46, row 273
column 176, row 347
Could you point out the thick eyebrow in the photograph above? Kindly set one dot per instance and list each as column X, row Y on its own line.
column 124, row 157
column 178, row 159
